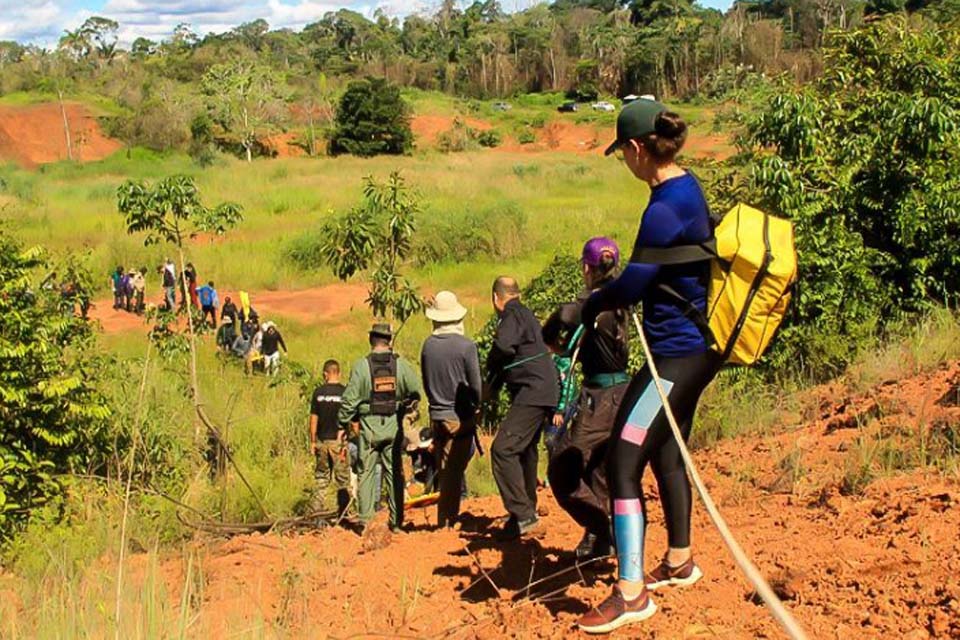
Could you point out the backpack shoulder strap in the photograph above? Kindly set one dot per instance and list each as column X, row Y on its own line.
column 691, row 312
column 678, row 254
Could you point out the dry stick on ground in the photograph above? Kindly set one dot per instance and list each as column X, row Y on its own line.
column 575, row 567
column 466, row 547
column 131, row 460
column 533, row 567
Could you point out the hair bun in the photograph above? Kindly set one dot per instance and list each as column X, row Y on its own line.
column 670, row 125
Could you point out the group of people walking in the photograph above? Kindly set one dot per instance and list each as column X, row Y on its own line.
column 128, row 288
column 241, row 334
column 602, row 437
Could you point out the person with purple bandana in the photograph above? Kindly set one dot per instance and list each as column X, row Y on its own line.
column 649, row 137
column 577, row 469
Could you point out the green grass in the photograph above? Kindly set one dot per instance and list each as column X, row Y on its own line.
column 563, row 201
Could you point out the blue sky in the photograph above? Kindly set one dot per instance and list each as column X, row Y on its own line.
column 43, row 21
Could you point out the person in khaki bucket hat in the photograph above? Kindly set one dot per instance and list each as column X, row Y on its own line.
column 451, row 380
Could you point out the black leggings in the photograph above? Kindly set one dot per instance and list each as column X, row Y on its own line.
column 641, row 436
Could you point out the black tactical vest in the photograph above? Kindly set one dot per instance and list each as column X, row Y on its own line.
column 383, row 378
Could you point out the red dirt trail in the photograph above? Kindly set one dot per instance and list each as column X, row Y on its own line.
column 882, row 564
column 34, row 135
column 305, row 306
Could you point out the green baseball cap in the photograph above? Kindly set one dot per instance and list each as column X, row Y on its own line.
column 636, row 120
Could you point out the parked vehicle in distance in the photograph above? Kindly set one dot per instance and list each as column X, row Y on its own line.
column 502, row 106
column 603, row 105
column 567, row 107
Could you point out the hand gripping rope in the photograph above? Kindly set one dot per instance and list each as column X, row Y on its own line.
column 779, row 612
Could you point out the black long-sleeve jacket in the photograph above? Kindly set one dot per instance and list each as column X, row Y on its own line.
column 519, row 359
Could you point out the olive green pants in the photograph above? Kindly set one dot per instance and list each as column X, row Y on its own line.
column 389, row 455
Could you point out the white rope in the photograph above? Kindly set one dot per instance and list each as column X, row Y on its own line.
column 780, row 613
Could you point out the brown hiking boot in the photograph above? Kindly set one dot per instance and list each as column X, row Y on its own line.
column 615, row 612
column 666, row 576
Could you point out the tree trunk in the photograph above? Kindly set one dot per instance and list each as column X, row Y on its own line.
column 66, row 125
column 553, row 70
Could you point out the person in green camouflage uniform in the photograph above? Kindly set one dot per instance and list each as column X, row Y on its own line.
column 381, row 388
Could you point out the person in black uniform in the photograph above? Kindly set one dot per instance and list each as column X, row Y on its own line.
column 328, row 441
column 577, row 469
column 519, row 359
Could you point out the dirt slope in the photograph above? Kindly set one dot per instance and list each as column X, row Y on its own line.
column 34, row 135
column 561, row 135
column 883, row 564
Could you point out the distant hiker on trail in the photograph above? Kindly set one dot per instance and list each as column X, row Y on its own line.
column 519, row 359
column 229, row 310
column 270, row 345
column 253, row 355
column 649, row 138
column 139, row 281
column 226, row 334
column 382, row 387
column 246, row 310
column 190, row 275
column 241, row 344
column 128, row 290
column 169, row 284
column 209, row 303
column 451, row 380
column 577, row 470
column 116, row 286
column 250, row 326
column 328, row 442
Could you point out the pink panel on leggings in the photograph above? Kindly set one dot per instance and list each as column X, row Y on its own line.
column 633, row 433
column 629, row 507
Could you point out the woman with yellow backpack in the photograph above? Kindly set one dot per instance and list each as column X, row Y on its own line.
column 711, row 292
column 649, row 137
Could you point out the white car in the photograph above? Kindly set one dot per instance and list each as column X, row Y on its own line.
column 603, row 106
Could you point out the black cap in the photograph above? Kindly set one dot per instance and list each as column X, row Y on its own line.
column 382, row 329
column 637, row 119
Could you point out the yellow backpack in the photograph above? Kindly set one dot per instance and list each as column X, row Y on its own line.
column 753, row 271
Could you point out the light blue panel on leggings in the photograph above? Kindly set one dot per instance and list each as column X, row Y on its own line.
column 644, row 411
column 628, row 529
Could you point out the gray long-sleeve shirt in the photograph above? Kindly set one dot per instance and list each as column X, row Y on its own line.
column 451, row 375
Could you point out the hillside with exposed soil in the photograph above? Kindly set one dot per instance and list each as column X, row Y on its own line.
column 34, row 135
column 873, row 560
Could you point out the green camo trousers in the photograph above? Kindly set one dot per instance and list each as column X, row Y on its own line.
column 333, row 469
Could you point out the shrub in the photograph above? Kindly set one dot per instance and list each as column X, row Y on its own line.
column 498, row 232
column 526, row 136
column 458, row 138
column 489, row 138
column 51, row 410
column 372, row 119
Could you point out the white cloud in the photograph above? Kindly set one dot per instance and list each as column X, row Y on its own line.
column 43, row 21
column 32, row 20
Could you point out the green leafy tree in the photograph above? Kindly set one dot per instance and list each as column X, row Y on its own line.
column 101, row 33
column 372, row 119
column 245, row 99
column 864, row 163
column 50, row 409
column 168, row 212
column 377, row 236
